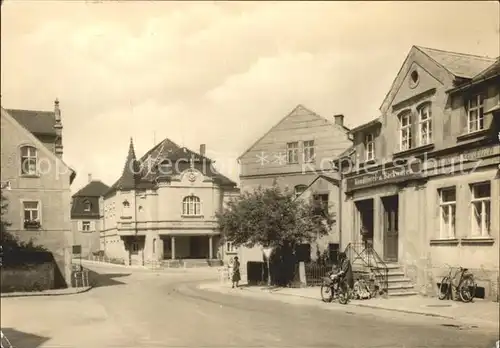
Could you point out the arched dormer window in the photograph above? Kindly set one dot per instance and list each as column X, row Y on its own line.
column 29, row 157
column 191, row 206
column 299, row 189
column 87, row 206
column 424, row 124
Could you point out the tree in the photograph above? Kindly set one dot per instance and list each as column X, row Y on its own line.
column 272, row 218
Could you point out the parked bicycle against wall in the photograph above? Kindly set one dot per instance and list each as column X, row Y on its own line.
column 465, row 288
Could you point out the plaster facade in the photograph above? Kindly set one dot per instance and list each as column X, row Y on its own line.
column 418, row 197
column 45, row 191
column 144, row 225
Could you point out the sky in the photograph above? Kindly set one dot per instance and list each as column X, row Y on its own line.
column 217, row 73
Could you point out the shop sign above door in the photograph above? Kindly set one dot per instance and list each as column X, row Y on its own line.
column 384, row 176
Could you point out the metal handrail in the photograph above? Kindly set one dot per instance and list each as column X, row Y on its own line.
column 367, row 255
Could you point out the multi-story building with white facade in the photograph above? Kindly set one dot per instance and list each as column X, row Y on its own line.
column 422, row 183
column 164, row 205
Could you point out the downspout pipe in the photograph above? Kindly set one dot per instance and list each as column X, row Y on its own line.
column 339, row 216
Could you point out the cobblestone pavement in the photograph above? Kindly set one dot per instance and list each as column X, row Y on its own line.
column 131, row 308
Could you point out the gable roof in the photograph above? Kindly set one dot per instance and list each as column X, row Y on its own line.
column 136, row 173
column 297, row 108
column 331, row 180
column 95, row 188
column 459, row 64
column 37, row 122
column 37, row 142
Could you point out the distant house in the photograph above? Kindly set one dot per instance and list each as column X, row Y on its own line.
column 319, row 193
column 293, row 154
column 36, row 182
column 163, row 206
column 87, row 216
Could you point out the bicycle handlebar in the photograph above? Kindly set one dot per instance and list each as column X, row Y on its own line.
column 451, row 267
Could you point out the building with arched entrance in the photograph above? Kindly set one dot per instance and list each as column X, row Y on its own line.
column 163, row 207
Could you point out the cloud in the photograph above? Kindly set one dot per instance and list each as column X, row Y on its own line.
column 215, row 73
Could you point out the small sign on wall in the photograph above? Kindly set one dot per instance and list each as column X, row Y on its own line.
column 77, row 249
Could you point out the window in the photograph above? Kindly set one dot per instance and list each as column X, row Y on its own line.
column 414, row 77
column 292, row 150
column 321, row 204
column 309, row 151
column 191, row 205
column 475, row 116
column 126, row 204
column 405, row 132
column 87, row 206
column 86, row 226
column 31, row 214
column 299, row 189
column 425, row 125
column 230, row 248
column 481, row 209
column 28, row 160
column 448, row 207
column 369, row 147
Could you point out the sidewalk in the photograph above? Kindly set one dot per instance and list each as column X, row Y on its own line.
column 54, row 292
column 478, row 313
column 213, row 270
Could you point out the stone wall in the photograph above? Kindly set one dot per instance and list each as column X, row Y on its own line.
column 28, row 278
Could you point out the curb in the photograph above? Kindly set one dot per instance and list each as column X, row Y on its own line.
column 466, row 322
column 373, row 307
column 352, row 304
column 39, row 294
column 405, row 311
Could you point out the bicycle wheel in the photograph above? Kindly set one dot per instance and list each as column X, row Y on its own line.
column 467, row 289
column 344, row 293
column 326, row 293
column 444, row 288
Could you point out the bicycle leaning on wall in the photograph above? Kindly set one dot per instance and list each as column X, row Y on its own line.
column 465, row 288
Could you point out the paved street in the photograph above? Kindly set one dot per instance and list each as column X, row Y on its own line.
column 139, row 308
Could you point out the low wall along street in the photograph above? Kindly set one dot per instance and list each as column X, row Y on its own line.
column 27, row 278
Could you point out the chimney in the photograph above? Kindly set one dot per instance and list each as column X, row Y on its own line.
column 203, row 147
column 57, row 111
column 58, row 128
column 90, row 177
column 339, row 120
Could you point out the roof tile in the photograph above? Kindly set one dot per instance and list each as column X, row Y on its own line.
column 459, row 64
column 37, row 122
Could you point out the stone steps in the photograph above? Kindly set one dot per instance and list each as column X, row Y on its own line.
column 397, row 282
column 191, row 263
